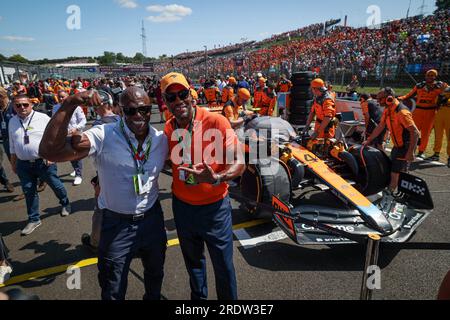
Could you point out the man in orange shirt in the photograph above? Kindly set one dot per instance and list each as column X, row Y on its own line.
column 259, row 91
column 268, row 101
column 234, row 109
column 284, row 85
column 427, row 94
column 323, row 109
column 405, row 135
column 201, row 204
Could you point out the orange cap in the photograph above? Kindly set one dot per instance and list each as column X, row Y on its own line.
column 173, row 78
column 194, row 94
column 432, row 72
column 262, row 80
column 232, row 80
column 317, row 83
column 244, row 94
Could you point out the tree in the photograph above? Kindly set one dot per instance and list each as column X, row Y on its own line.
column 91, row 60
column 18, row 58
column 138, row 58
column 108, row 58
column 442, row 5
column 2, row 57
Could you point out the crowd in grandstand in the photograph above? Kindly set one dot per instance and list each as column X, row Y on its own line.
column 413, row 40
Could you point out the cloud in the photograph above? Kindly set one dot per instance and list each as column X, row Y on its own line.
column 128, row 4
column 17, row 38
column 168, row 13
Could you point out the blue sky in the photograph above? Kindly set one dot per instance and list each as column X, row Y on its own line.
column 37, row 29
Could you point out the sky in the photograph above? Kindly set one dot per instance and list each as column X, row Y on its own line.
column 49, row 28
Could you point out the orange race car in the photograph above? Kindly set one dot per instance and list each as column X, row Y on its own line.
column 325, row 192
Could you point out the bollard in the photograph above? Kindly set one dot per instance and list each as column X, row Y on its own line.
column 372, row 252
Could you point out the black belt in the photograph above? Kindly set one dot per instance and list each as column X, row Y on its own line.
column 131, row 217
column 32, row 161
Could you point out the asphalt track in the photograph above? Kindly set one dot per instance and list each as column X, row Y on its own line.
column 275, row 270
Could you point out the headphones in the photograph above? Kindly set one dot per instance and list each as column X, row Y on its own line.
column 106, row 97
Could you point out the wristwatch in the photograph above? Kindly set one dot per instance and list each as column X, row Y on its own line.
column 218, row 181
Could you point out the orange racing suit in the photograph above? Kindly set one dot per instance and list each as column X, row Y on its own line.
column 322, row 107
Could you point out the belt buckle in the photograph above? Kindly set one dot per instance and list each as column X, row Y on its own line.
column 138, row 217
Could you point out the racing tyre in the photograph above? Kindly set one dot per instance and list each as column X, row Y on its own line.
column 262, row 181
column 374, row 169
column 302, row 78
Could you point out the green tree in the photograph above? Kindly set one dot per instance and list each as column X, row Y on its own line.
column 138, row 58
column 442, row 5
column 108, row 58
column 18, row 58
column 2, row 57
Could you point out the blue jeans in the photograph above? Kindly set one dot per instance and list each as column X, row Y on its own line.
column 29, row 173
column 78, row 167
column 3, row 178
column 120, row 240
column 210, row 224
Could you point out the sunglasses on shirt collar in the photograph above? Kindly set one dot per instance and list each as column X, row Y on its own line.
column 143, row 111
column 171, row 97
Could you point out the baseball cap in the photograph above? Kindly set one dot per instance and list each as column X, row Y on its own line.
column 432, row 72
column 244, row 94
column 173, row 78
column 318, row 84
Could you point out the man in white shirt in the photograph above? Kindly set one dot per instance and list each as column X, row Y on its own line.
column 129, row 156
column 76, row 126
column 25, row 133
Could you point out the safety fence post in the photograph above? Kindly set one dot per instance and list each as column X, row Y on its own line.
column 372, row 253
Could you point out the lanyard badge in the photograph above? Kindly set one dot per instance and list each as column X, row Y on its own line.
column 26, row 138
column 141, row 180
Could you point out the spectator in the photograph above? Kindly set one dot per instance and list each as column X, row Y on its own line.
column 201, row 204
column 76, row 126
column 26, row 131
column 129, row 150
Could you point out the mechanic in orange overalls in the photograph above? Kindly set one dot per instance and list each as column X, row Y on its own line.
column 234, row 110
column 324, row 109
column 284, row 85
column 259, row 92
column 405, row 135
column 228, row 91
column 427, row 94
column 442, row 125
column 212, row 93
column 268, row 101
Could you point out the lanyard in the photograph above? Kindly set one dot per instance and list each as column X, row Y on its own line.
column 139, row 159
column 28, row 126
column 190, row 131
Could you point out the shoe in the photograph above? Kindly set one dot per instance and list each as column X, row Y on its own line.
column 434, row 158
column 9, row 187
column 20, row 197
column 86, row 241
column 5, row 273
column 66, row 211
column 73, row 174
column 41, row 187
column 420, row 156
column 30, row 228
column 78, row 181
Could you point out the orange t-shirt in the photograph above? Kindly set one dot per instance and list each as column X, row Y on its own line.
column 201, row 194
column 397, row 121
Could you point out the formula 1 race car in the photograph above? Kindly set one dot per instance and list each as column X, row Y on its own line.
column 324, row 192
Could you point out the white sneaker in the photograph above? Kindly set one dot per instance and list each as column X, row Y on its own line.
column 5, row 273
column 78, row 181
column 73, row 174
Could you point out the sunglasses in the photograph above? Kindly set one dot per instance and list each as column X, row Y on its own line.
column 143, row 111
column 24, row 105
column 172, row 97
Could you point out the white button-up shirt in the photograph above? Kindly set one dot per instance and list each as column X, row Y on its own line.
column 36, row 128
column 78, row 120
column 116, row 167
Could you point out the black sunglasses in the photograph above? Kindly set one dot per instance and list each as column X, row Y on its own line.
column 144, row 110
column 25, row 105
column 172, row 97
